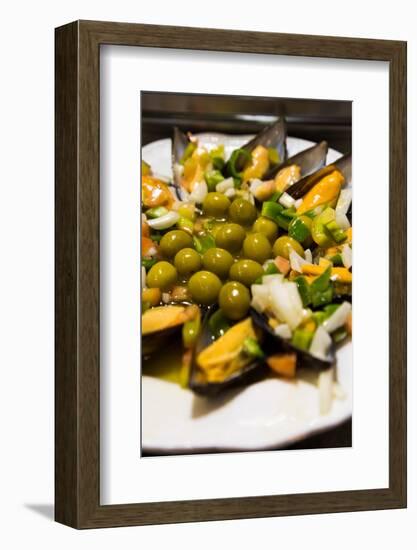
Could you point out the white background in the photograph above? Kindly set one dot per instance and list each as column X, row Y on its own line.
column 125, row 479
column 26, row 217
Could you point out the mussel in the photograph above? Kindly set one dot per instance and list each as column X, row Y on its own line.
column 209, row 378
column 161, row 323
column 274, row 343
column 303, row 186
column 308, row 160
column 271, row 137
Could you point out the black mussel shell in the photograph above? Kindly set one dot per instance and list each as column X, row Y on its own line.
column 254, row 371
column 179, row 144
column 275, row 344
column 156, row 341
column 303, row 186
column 309, row 160
column 273, row 136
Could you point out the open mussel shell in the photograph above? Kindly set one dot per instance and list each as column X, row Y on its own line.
column 157, row 339
column 252, row 372
column 273, row 136
column 276, row 344
column 309, row 160
column 303, row 186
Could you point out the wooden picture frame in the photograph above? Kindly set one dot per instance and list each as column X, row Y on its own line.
column 77, row 384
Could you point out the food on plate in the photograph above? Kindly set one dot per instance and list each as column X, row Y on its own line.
column 247, row 260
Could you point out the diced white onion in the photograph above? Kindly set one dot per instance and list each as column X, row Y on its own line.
column 229, row 193
column 260, row 297
column 165, row 221
column 343, row 203
column 225, row 185
column 285, row 302
column 255, row 184
column 342, row 220
column 308, row 256
column 325, row 384
column 283, row 331
column 296, row 261
column 321, row 343
column 199, row 192
column 166, row 297
column 268, row 279
column 338, row 318
column 286, row 200
column 298, row 203
column 347, row 256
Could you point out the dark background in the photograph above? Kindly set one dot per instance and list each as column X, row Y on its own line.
column 311, row 119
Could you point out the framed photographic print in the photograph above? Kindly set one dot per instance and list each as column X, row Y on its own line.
column 217, row 357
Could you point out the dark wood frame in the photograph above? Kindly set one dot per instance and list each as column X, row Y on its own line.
column 77, row 274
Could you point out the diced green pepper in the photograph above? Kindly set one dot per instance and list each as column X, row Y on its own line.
column 304, row 290
column 189, row 150
column 320, row 234
column 237, row 159
column 322, row 282
column 300, row 229
column 190, row 332
column 339, row 334
column 218, row 163
column 203, row 242
column 302, row 338
column 252, row 348
column 156, row 237
column 277, row 213
column 217, row 152
column 336, row 260
column 271, row 269
column 147, row 263
column 218, row 324
column 156, row 212
column 185, row 224
column 320, row 298
column 321, row 289
column 213, row 177
column 338, row 235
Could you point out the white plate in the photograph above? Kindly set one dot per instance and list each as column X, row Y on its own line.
column 268, row 414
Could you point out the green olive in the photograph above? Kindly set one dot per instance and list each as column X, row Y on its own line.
column 173, row 241
column 216, row 205
column 267, row 227
column 257, row 247
column 218, row 261
column 230, row 236
column 284, row 245
column 204, row 287
column 187, row 261
column 234, row 300
column 246, row 271
column 242, row 211
column 161, row 275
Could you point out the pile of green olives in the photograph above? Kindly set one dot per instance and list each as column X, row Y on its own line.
column 240, row 242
